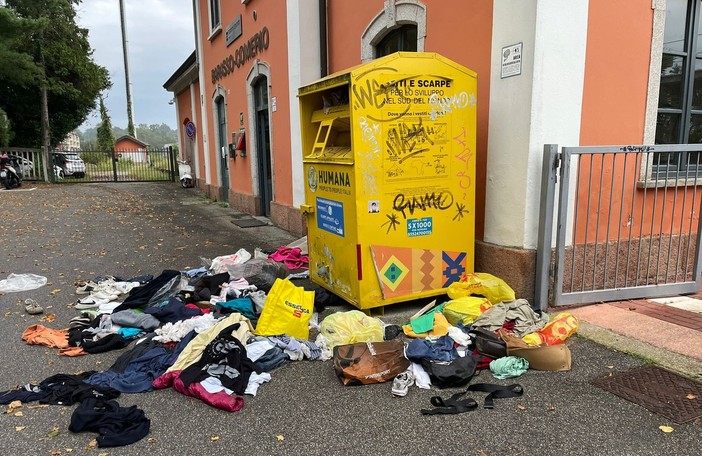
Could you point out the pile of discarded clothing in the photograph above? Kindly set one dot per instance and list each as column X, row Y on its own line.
column 214, row 333
column 217, row 332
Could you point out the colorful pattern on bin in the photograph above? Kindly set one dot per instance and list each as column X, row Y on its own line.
column 403, row 271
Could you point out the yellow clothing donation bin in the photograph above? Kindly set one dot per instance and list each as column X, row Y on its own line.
column 389, row 161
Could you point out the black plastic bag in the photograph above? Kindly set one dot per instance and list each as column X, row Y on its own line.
column 451, row 374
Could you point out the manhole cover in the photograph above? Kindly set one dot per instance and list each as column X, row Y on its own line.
column 658, row 390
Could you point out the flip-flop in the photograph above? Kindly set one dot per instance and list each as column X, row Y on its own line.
column 32, row 307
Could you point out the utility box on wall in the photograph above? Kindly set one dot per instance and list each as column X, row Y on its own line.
column 389, row 158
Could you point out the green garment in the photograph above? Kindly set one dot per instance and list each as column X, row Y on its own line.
column 425, row 323
column 508, row 367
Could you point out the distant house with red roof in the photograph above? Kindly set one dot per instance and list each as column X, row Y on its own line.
column 130, row 148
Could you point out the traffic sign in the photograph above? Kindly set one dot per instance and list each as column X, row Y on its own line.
column 190, row 129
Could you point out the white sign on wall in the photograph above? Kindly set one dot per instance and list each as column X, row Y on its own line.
column 511, row 61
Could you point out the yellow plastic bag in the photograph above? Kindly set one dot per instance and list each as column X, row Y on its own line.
column 287, row 310
column 483, row 284
column 465, row 309
column 343, row 328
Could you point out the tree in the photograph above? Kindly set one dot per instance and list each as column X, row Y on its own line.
column 105, row 138
column 65, row 87
column 17, row 65
column 5, row 130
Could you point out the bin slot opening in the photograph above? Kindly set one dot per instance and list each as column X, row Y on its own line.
column 333, row 139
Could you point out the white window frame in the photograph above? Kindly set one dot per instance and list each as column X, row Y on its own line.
column 214, row 5
column 654, row 80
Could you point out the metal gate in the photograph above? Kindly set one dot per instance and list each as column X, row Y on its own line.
column 145, row 165
column 627, row 224
column 29, row 160
column 142, row 165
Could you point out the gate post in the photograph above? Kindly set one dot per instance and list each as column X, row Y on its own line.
column 113, row 159
column 171, row 159
column 543, row 249
column 46, row 158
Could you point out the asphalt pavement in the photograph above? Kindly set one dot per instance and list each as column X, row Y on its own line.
column 76, row 232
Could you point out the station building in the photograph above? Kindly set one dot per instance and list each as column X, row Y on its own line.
column 575, row 73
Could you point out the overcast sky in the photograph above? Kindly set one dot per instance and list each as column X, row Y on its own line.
column 160, row 38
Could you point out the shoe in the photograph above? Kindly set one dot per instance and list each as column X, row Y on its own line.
column 402, row 382
column 32, row 307
column 93, row 301
column 86, row 288
column 86, row 305
column 101, row 296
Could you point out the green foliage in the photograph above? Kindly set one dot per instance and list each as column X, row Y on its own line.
column 55, row 53
column 105, row 138
column 5, row 130
column 161, row 162
column 94, row 158
column 17, row 65
column 155, row 135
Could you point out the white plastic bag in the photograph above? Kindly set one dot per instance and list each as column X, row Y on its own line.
column 220, row 263
column 22, row 282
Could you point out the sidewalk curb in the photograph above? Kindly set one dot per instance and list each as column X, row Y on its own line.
column 675, row 362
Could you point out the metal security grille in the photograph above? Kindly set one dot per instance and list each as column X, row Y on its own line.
column 144, row 165
column 620, row 233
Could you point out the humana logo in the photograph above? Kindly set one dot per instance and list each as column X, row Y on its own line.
column 334, row 178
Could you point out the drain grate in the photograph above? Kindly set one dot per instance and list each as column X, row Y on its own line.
column 658, row 390
column 248, row 222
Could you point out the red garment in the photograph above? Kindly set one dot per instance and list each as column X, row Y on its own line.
column 483, row 362
column 220, row 400
column 291, row 257
column 204, row 310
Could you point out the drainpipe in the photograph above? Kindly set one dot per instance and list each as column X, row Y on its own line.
column 323, row 70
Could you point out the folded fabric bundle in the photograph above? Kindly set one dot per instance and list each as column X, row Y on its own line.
column 133, row 319
column 291, row 257
column 508, row 367
column 525, row 319
column 440, row 350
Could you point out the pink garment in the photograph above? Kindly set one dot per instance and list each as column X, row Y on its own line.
column 291, row 257
column 220, row 400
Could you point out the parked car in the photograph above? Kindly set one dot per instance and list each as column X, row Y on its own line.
column 70, row 163
column 26, row 165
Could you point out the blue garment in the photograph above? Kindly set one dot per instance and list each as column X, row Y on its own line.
column 174, row 310
column 242, row 305
column 128, row 333
column 138, row 375
column 272, row 359
column 440, row 350
column 195, row 273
